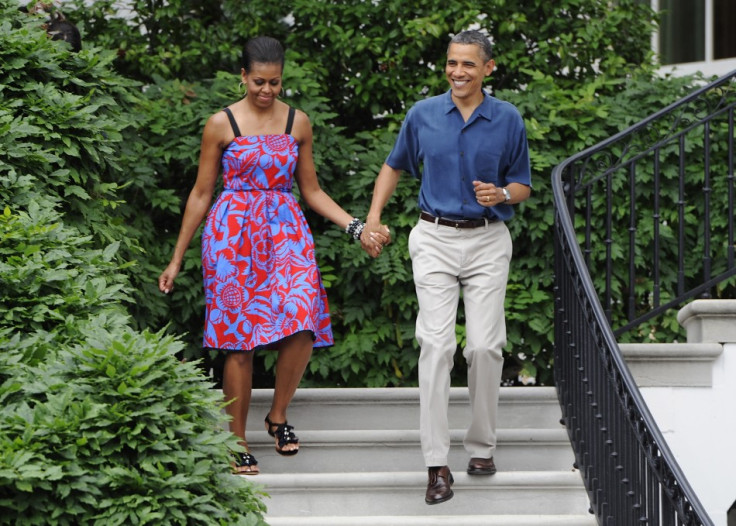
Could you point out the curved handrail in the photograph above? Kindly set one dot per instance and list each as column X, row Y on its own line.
column 629, row 471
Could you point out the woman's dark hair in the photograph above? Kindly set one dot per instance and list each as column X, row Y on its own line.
column 262, row 50
column 473, row 36
column 59, row 28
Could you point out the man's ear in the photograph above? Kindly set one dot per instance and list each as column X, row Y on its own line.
column 489, row 67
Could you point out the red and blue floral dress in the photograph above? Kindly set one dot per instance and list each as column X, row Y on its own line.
column 261, row 279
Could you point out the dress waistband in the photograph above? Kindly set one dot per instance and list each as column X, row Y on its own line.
column 281, row 190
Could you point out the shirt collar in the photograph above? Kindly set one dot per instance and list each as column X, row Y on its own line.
column 485, row 109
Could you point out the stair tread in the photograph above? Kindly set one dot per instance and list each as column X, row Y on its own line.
column 352, row 480
column 342, row 436
column 445, row 520
column 402, row 494
column 399, row 395
column 398, row 408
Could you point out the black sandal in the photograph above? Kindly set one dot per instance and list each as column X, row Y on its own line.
column 284, row 433
column 243, row 460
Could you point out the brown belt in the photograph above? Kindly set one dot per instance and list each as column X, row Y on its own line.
column 457, row 223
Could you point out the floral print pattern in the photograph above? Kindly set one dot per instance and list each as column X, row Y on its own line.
column 261, row 279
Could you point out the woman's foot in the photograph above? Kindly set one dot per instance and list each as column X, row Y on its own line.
column 244, row 463
column 287, row 443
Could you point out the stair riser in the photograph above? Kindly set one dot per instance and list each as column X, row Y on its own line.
column 361, row 459
column 519, row 407
column 441, row 520
column 403, row 501
column 366, row 457
column 401, row 416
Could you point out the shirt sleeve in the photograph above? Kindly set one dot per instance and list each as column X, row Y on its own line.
column 518, row 169
column 406, row 153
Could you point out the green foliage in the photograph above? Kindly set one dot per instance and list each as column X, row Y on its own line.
column 61, row 240
column 99, row 423
column 115, row 430
column 60, row 123
column 579, row 72
column 189, row 39
column 51, row 277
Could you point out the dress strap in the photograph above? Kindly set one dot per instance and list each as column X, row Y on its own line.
column 234, row 124
column 290, row 120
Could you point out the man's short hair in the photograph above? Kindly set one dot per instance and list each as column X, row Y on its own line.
column 473, row 36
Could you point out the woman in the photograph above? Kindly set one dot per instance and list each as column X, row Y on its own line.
column 262, row 285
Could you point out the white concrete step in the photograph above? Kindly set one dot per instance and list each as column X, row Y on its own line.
column 360, row 462
column 401, row 494
column 672, row 364
column 358, row 450
column 397, row 408
column 443, row 520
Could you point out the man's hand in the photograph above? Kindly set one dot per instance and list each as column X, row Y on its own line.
column 374, row 237
column 488, row 194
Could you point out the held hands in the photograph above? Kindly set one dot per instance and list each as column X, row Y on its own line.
column 374, row 237
column 488, row 194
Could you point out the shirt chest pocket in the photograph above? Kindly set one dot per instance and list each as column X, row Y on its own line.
column 488, row 165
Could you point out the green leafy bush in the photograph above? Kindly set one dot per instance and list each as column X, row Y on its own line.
column 115, row 430
column 51, row 277
column 355, row 68
column 99, row 423
column 578, row 71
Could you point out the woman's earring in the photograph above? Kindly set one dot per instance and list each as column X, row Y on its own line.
column 245, row 90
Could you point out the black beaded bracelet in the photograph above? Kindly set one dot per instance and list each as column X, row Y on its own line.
column 358, row 231
column 355, row 228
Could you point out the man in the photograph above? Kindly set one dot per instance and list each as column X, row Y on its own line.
column 470, row 151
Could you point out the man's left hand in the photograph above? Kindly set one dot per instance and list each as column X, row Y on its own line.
column 488, row 194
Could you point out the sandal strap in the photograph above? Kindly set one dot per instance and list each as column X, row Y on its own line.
column 244, row 460
column 285, row 434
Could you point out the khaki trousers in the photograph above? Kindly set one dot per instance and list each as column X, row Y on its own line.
column 445, row 261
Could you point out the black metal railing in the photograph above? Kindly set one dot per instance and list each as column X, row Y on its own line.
column 644, row 222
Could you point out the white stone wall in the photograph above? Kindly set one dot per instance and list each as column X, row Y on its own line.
column 699, row 423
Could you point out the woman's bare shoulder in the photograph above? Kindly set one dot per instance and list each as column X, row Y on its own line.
column 218, row 129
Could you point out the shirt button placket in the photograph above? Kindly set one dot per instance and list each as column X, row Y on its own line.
column 461, row 148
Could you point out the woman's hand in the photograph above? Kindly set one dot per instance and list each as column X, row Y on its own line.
column 167, row 277
column 374, row 238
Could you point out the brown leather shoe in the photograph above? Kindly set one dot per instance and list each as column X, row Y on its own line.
column 481, row 466
column 439, row 486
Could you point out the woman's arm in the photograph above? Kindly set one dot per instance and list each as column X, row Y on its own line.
column 306, row 177
column 200, row 196
column 316, row 198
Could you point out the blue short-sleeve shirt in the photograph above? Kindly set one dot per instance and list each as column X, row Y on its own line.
column 436, row 145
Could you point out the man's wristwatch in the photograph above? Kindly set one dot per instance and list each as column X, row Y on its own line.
column 506, row 195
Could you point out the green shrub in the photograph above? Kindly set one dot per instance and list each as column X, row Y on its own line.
column 99, row 423
column 115, row 430
column 578, row 71
column 51, row 277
